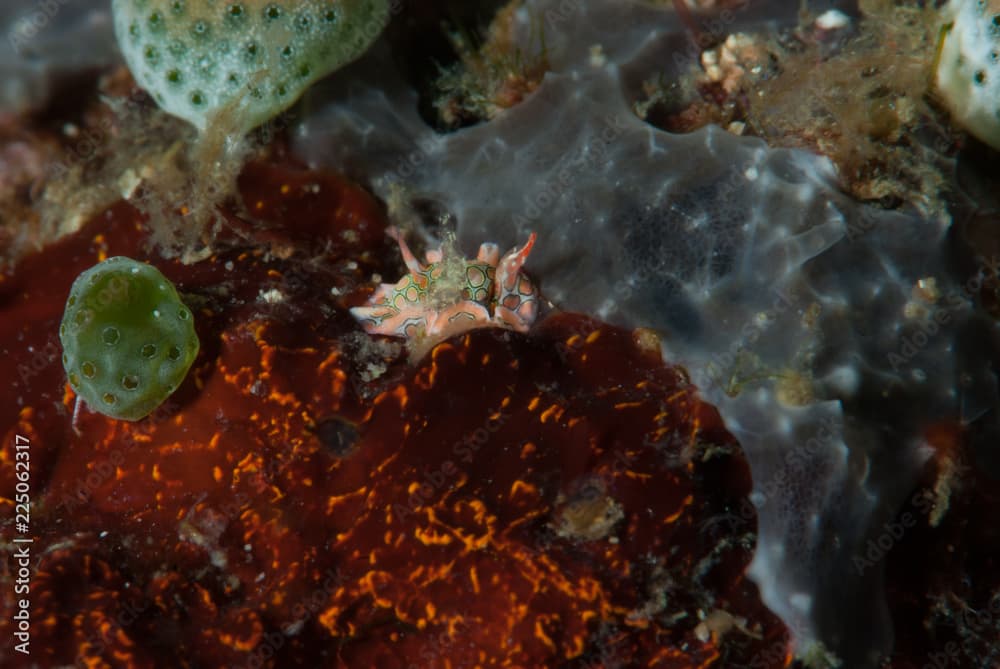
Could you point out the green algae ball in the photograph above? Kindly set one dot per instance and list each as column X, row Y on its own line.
column 128, row 340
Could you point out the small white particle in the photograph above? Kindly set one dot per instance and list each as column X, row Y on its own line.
column 784, row 425
column 801, row 601
column 845, row 379
column 273, row 296
column 229, row 265
column 832, row 19
column 597, row 57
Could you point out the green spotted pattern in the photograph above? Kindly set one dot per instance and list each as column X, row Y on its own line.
column 248, row 60
column 128, row 339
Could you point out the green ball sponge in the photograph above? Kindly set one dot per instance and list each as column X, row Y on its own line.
column 247, row 60
column 128, row 340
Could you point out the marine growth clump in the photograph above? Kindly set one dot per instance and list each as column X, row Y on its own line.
column 128, row 340
column 226, row 67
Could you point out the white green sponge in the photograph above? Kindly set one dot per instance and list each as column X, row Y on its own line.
column 241, row 60
column 968, row 68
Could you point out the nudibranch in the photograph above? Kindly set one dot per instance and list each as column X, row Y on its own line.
column 492, row 292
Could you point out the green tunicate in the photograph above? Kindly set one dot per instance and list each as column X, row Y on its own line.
column 287, row 45
column 128, row 339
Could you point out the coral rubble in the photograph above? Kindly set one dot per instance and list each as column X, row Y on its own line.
column 857, row 92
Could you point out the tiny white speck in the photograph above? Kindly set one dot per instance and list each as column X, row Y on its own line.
column 103, row 534
column 597, row 57
column 229, row 265
column 801, row 601
column 156, row 313
column 247, row 547
column 845, row 379
column 134, row 270
column 751, row 173
column 784, row 425
column 832, row 19
column 272, row 296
